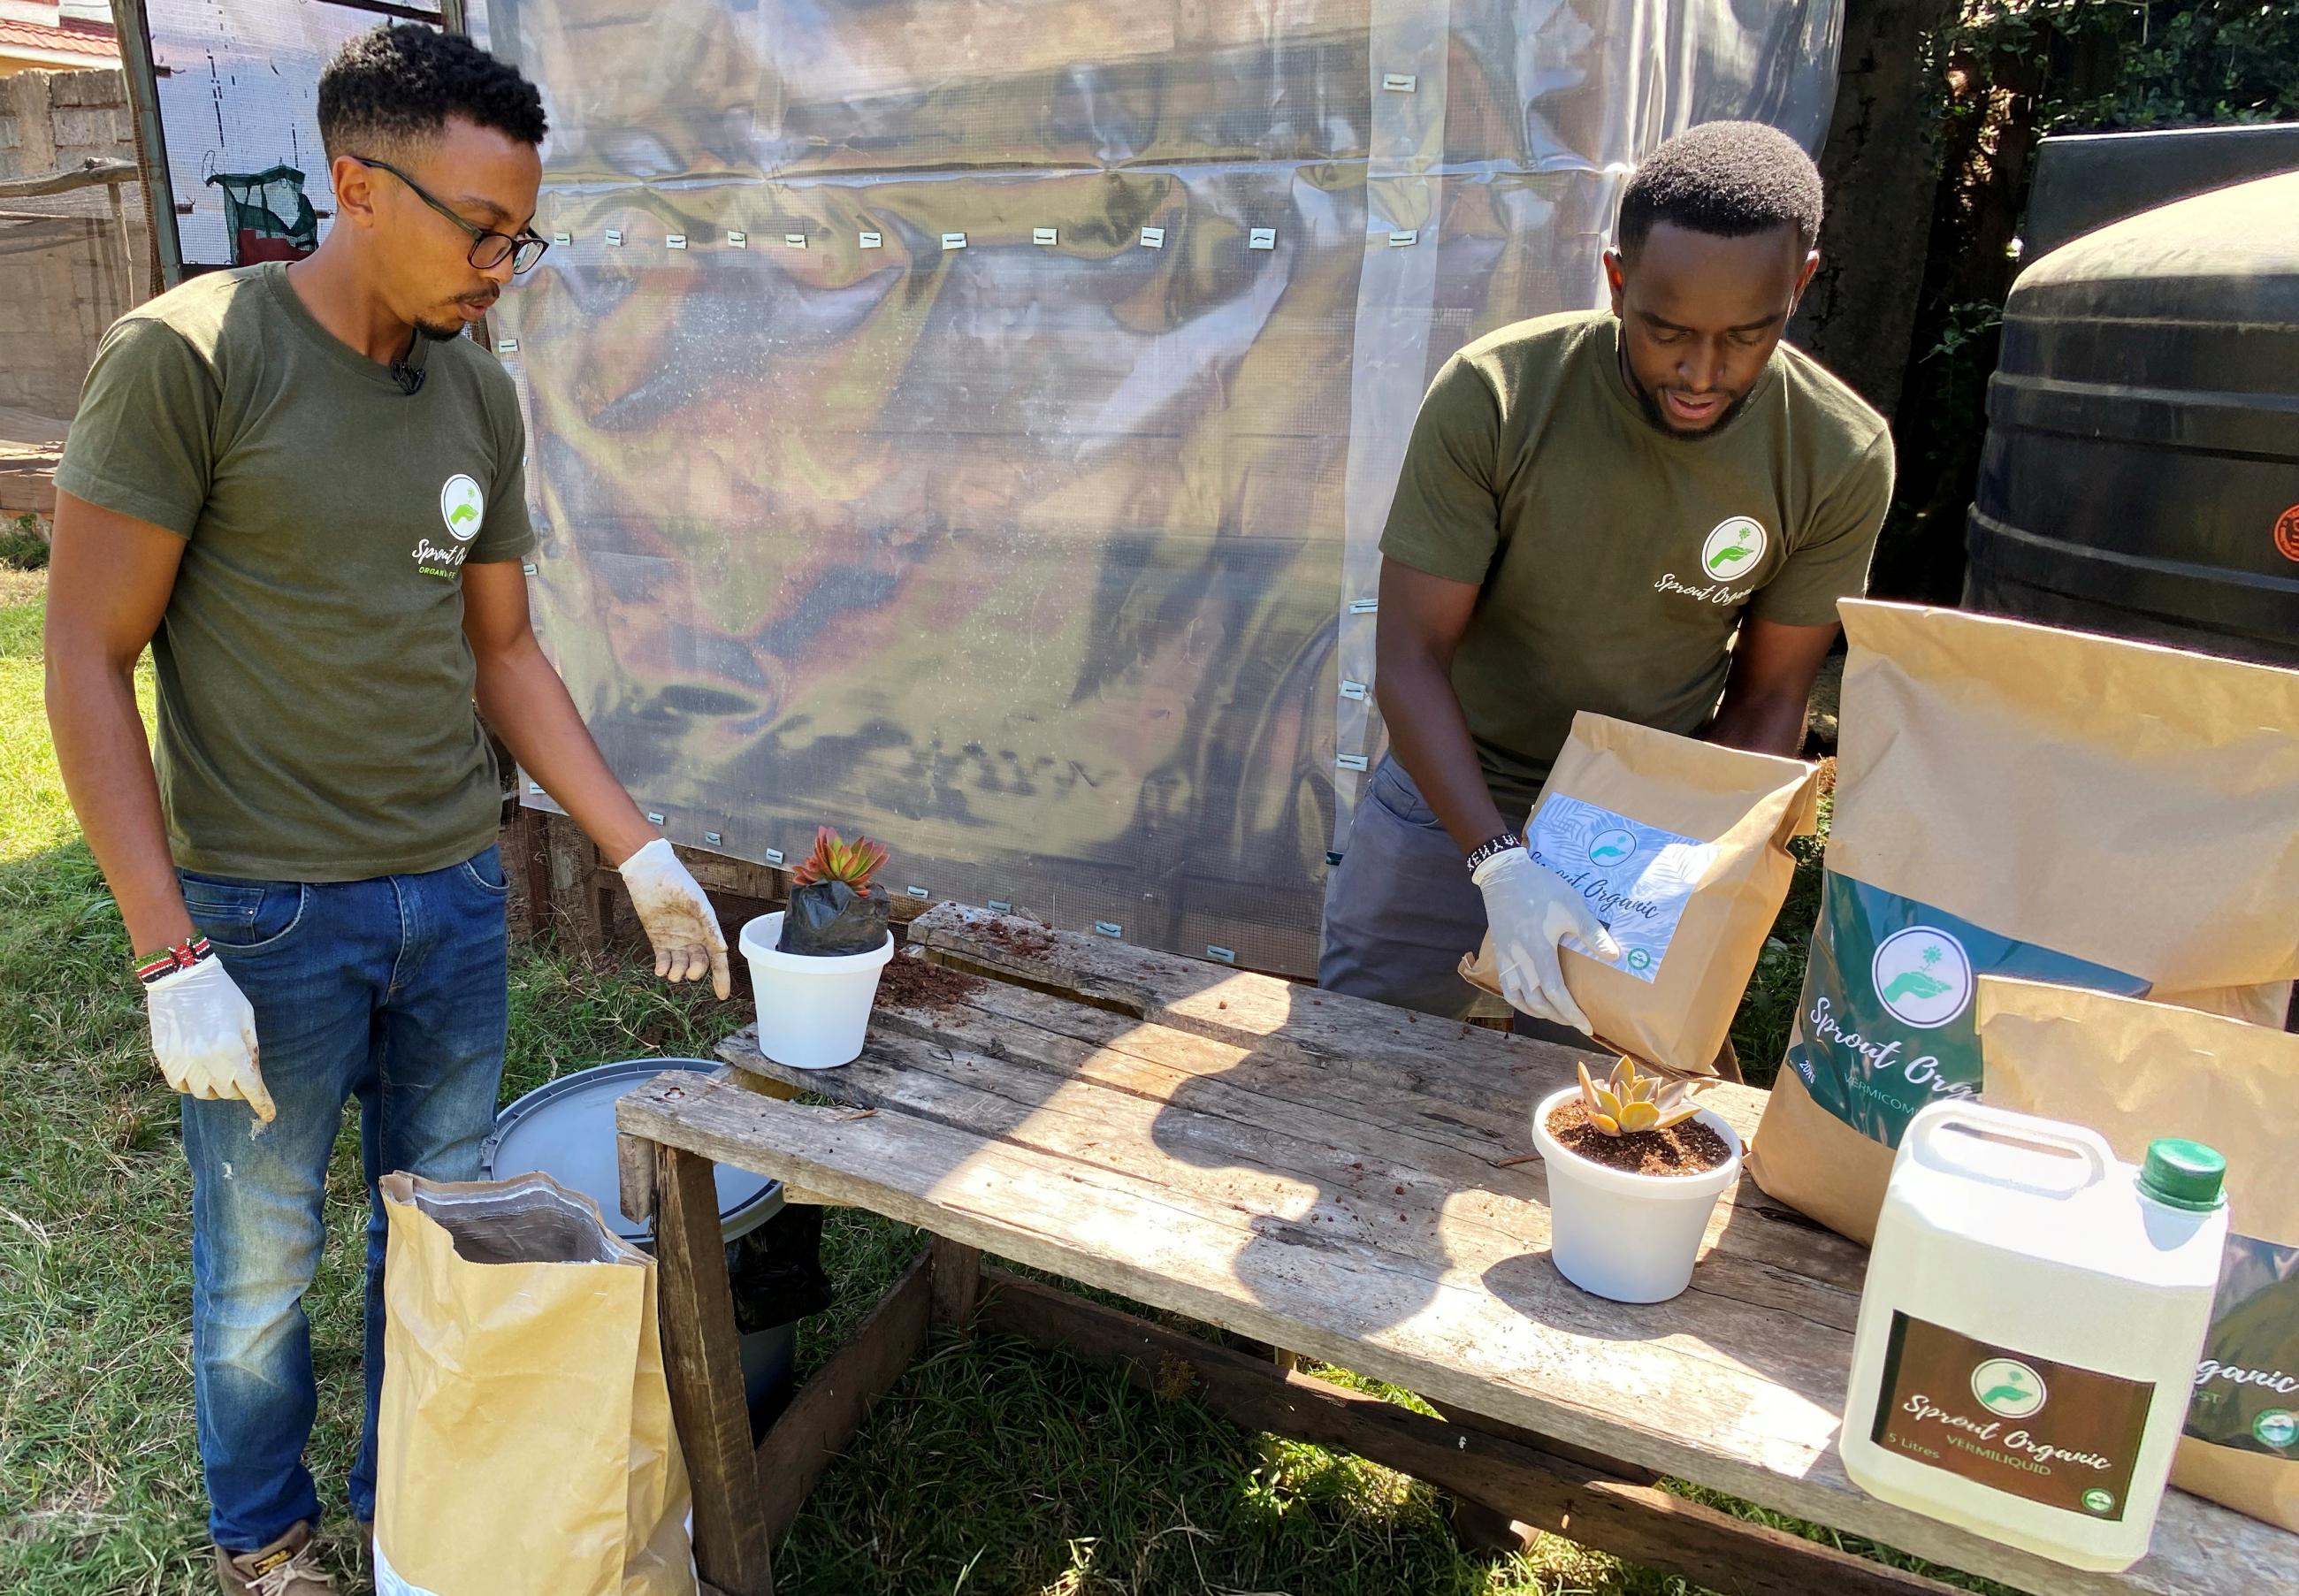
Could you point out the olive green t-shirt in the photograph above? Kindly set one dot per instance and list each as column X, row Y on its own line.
column 315, row 713
column 1613, row 560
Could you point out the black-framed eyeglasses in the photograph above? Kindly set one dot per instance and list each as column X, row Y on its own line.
column 489, row 250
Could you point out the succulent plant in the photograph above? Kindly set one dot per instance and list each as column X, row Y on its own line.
column 834, row 859
column 1628, row 1102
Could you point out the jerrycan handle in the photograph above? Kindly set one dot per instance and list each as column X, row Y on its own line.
column 2019, row 1151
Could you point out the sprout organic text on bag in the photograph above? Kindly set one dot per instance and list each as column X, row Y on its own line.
column 2018, row 800
column 2135, row 1071
column 1681, row 847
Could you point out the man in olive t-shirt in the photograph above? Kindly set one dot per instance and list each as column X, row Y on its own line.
column 1648, row 512
column 305, row 489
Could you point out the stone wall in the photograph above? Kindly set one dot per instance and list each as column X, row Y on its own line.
column 71, row 264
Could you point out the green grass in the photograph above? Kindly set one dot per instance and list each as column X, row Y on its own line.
column 990, row 1468
column 21, row 546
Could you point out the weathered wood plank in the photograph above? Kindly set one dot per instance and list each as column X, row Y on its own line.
column 1215, row 1001
column 1609, row 1508
column 1282, row 1166
column 1108, row 1142
column 1732, row 1397
column 957, row 1283
column 703, row 1360
column 1484, row 1115
column 573, row 903
column 822, row 1418
column 526, row 859
column 635, row 1174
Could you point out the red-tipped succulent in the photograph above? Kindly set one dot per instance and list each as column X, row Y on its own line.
column 834, row 859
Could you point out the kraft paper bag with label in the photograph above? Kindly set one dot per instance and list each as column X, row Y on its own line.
column 2134, row 1071
column 1681, row 847
column 526, row 1446
column 2020, row 801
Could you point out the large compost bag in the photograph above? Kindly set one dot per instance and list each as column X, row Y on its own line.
column 2014, row 799
column 1682, row 849
column 527, row 1446
column 2135, row 1071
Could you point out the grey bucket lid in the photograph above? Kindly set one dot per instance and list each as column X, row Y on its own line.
column 565, row 1129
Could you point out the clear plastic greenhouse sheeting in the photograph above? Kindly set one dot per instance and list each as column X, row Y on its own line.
column 240, row 83
column 971, row 423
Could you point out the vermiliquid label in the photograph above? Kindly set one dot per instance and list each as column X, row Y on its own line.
column 2052, row 1432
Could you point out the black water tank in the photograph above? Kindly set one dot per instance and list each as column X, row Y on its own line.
column 2141, row 475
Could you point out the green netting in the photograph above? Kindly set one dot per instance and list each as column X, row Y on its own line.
column 267, row 214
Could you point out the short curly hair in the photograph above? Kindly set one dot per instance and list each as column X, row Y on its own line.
column 397, row 84
column 1727, row 180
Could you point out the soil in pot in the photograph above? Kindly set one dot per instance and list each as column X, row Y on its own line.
column 1690, row 1148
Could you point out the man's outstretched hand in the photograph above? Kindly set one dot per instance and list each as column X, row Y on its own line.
column 677, row 915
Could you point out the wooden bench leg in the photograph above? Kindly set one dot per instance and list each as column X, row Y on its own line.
column 703, row 1359
column 957, row 1284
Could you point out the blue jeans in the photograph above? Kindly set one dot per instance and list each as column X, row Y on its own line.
column 394, row 991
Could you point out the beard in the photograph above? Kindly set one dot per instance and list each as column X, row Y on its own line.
column 439, row 332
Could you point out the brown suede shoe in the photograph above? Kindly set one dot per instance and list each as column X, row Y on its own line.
column 288, row 1566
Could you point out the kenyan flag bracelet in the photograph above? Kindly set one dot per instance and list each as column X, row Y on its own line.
column 166, row 961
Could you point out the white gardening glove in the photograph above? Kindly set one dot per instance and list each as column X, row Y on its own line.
column 1531, row 908
column 204, row 1034
column 677, row 915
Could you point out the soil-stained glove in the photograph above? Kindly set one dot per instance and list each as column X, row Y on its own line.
column 204, row 1034
column 677, row 915
column 1531, row 909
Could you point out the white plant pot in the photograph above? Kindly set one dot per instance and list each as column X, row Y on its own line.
column 813, row 1011
column 1629, row 1237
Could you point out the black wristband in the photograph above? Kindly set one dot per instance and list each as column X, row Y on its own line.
column 1493, row 847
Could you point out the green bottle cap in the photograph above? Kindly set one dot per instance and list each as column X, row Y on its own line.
column 2184, row 1174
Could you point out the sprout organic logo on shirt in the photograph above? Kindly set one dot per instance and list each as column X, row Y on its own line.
column 1733, row 549
column 1731, row 552
column 463, row 507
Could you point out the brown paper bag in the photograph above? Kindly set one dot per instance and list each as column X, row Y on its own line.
column 525, row 1445
column 1681, row 847
column 2135, row 1071
column 2020, row 801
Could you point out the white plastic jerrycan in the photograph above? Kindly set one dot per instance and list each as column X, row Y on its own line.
column 2028, row 1332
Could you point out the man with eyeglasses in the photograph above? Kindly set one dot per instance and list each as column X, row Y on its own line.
column 305, row 490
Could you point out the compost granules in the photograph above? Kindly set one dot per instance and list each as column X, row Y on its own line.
column 1688, row 1149
column 914, row 984
column 1021, row 940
